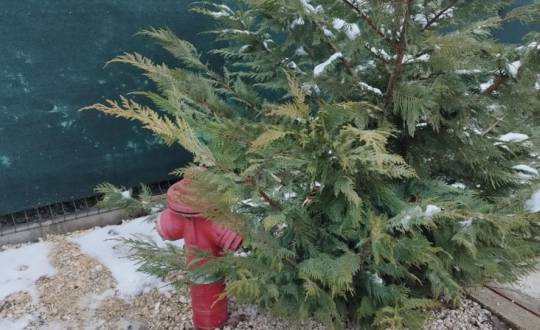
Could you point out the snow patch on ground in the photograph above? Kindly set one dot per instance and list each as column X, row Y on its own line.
column 22, row 267
column 101, row 244
column 513, row 137
column 533, row 204
column 18, row 324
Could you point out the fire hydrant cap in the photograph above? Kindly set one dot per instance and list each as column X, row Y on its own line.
column 174, row 204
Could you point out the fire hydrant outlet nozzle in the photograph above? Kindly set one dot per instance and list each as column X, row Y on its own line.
column 179, row 221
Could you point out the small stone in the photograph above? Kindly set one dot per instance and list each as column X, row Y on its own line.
column 112, row 232
column 22, row 268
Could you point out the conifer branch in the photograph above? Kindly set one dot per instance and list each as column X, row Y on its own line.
column 492, row 126
column 400, row 49
column 270, row 201
column 377, row 55
column 439, row 14
column 227, row 87
column 497, row 82
column 368, row 20
column 334, row 47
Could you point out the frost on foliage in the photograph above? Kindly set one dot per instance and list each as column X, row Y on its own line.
column 421, row 19
column 486, row 85
column 526, row 169
column 218, row 14
column 363, row 67
column 466, row 71
column 466, row 223
column 297, row 22
column 310, row 88
column 126, row 194
column 351, row 29
column 513, row 68
column 458, row 185
column 533, row 205
column 292, row 65
column 381, row 53
column 412, row 59
column 409, row 218
column 432, row 210
column 319, row 69
column 236, row 31
column 513, row 137
column 532, row 45
column 300, row 51
column 309, row 7
column 375, row 278
column 328, row 33
column 370, row 88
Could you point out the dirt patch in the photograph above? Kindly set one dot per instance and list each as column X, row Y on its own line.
column 64, row 297
column 16, row 306
column 152, row 310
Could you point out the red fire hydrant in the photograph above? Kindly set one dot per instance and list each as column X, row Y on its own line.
column 178, row 221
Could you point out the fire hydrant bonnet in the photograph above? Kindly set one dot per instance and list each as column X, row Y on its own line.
column 176, row 205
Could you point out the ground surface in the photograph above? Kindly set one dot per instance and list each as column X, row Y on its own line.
column 84, row 281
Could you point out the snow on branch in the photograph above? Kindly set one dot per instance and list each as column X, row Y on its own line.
column 320, row 68
column 370, row 88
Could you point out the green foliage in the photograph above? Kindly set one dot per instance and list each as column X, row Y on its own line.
column 331, row 145
column 163, row 262
column 143, row 202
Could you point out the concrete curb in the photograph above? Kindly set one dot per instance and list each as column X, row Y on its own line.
column 62, row 225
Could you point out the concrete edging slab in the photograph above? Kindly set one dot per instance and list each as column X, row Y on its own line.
column 513, row 314
column 62, row 226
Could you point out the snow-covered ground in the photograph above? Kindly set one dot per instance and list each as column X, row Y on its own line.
column 103, row 244
column 29, row 270
column 22, row 267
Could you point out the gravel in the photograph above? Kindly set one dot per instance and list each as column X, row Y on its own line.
column 83, row 294
column 468, row 315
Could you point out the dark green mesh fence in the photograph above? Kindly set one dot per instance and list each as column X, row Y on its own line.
column 51, row 64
